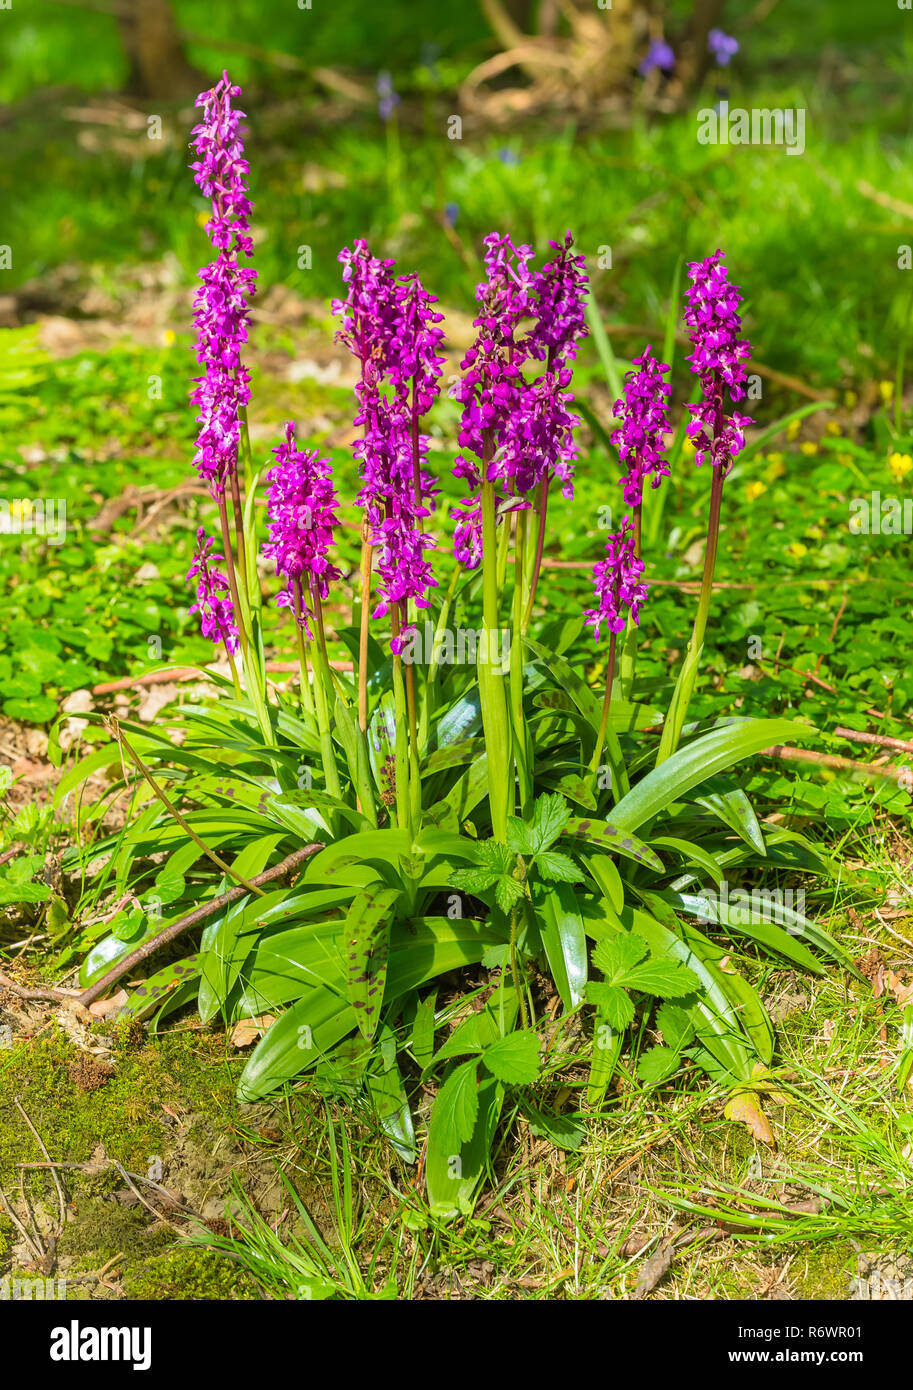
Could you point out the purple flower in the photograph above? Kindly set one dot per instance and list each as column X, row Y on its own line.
column 659, row 55
column 388, row 99
column 391, row 326
column 222, row 304
column 561, row 288
column 214, row 605
column 722, row 46
column 616, row 580
column 719, row 353
column 302, row 516
column 451, row 213
column 370, row 311
column 644, row 415
column 522, row 431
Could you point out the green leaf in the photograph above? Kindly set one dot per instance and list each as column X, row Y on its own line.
column 613, row 1002
column 608, row 835
column 550, row 816
column 564, row 939
column 564, row 1132
column 657, row 1064
column 456, row 1107
column 698, row 761
column 508, row 891
column 514, row 1059
column 366, row 946
column 557, row 867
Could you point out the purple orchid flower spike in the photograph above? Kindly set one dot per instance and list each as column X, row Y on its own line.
column 302, row 518
column 617, row 583
column 214, row 604
column 717, row 359
column 644, row 416
column 222, row 304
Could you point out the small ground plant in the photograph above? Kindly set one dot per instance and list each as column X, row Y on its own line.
column 455, row 793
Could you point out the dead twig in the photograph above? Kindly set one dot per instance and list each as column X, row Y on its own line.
column 61, row 1199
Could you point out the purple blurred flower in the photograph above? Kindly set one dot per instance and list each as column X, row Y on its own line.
column 214, row 605
column 388, row 98
column 644, row 415
column 508, row 156
column 222, row 304
column 719, row 353
column 302, row 516
column 451, row 213
column 659, row 55
column 722, row 46
column 616, row 580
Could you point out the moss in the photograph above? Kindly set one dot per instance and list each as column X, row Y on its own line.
column 823, row 1271
column 184, row 1071
column 103, row 1229
column 190, row 1274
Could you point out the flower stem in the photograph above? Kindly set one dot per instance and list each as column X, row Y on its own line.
column 541, row 512
column 520, row 739
column 678, row 710
column 607, row 701
column 307, row 695
column 515, row 967
column 367, row 552
column 495, row 721
column 321, row 686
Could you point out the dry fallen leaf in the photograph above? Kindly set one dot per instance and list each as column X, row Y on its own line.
column 113, row 1003
column 746, row 1108
column 901, row 992
column 250, row 1029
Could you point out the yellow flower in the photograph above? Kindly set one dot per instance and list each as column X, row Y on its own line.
column 796, row 550
column 850, row 399
column 20, row 508
column 754, row 490
column 833, row 427
column 887, row 390
column 809, row 447
column 689, row 447
column 203, row 218
column 900, row 465
column 168, row 337
column 776, row 467
column 814, row 533
column 793, row 428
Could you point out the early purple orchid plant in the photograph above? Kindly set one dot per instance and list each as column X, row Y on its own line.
column 432, row 840
column 516, row 441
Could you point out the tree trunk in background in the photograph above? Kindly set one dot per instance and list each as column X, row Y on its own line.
column 158, row 67
column 706, row 15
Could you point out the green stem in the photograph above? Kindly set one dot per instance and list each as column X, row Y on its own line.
column 307, row 695
column 515, row 968
column 541, row 513
column 401, row 747
column 606, row 703
column 675, row 719
column 322, row 685
column 520, row 740
column 495, row 721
